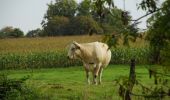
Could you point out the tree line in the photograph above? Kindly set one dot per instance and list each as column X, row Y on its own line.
column 67, row 17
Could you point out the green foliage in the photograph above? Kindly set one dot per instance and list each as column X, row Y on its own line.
column 165, row 56
column 159, row 30
column 10, row 32
column 15, row 89
column 34, row 33
column 58, row 25
column 102, row 6
column 16, row 33
column 112, row 22
column 75, row 13
column 148, row 5
column 158, row 90
column 35, row 60
column 65, row 8
column 84, row 25
column 123, row 55
column 85, row 8
column 120, row 27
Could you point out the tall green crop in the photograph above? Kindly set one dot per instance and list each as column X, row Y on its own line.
column 59, row 59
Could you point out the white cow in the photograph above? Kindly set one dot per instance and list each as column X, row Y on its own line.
column 95, row 56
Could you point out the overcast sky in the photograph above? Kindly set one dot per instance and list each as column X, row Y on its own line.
column 28, row 14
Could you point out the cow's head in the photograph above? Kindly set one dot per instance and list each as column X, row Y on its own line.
column 74, row 51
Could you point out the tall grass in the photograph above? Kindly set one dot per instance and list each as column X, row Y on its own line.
column 46, row 44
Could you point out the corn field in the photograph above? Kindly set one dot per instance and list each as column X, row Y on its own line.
column 49, row 52
column 59, row 59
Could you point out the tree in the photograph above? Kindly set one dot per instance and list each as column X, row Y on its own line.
column 85, row 8
column 113, row 24
column 34, row 33
column 159, row 31
column 4, row 32
column 159, row 37
column 57, row 26
column 65, row 8
column 16, row 33
column 11, row 32
column 57, row 17
column 84, row 25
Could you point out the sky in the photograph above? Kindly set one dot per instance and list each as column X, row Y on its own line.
column 28, row 14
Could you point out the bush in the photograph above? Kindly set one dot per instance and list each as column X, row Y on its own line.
column 12, row 89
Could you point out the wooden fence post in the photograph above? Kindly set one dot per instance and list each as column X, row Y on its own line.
column 132, row 79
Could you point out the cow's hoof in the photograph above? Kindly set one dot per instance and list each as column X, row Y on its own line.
column 88, row 83
column 100, row 83
column 95, row 83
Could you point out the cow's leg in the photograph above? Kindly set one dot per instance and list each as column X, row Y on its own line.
column 100, row 75
column 87, row 76
column 95, row 73
column 87, row 72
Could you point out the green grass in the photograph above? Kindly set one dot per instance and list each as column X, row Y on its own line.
column 70, row 83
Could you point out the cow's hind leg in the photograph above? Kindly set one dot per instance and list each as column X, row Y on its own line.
column 95, row 73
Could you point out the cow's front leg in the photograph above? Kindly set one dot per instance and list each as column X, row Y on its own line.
column 100, row 75
column 87, row 72
column 87, row 76
column 95, row 73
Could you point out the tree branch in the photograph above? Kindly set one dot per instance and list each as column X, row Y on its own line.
column 146, row 15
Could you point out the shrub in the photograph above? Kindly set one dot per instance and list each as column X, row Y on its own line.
column 12, row 89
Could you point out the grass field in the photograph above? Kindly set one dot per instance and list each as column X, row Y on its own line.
column 51, row 74
column 70, row 83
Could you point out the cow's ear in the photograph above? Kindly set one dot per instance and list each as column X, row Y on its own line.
column 77, row 44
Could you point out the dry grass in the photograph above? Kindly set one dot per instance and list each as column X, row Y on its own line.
column 50, row 44
column 42, row 44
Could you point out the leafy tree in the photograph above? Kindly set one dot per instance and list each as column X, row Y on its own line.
column 57, row 17
column 112, row 22
column 57, row 26
column 85, row 8
column 84, row 25
column 16, row 33
column 4, row 31
column 159, row 37
column 165, row 56
column 34, row 33
column 65, row 8
column 11, row 32
column 159, row 31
